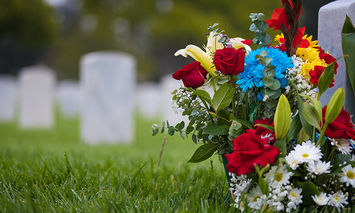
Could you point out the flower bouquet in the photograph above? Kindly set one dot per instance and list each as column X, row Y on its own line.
column 258, row 106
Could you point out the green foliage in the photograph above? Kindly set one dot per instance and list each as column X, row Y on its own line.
column 259, row 27
column 335, row 105
column 348, row 44
column 223, row 97
column 308, row 189
column 310, row 115
column 204, row 152
column 326, row 79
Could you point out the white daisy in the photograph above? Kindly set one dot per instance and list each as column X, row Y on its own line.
column 295, row 196
column 278, row 175
column 291, row 160
column 343, row 145
column 338, row 200
column 319, row 167
column 321, row 199
column 348, row 176
column 307, row 152
column 256, row 198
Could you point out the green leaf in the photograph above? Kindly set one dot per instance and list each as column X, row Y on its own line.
column 281, row 144
column 180, row 125
column 306, row 127
column 282, row 120
column 234, row 130
column 223, row 97
column 295, row 128
column 308, row 189
column 203, row 152
column 203, row 95
column 310, row 115
column 348, row 43
column 326, row 79
column 171, row 130
column 155, row 129
column 317, row 105
column 271, row 128
column 216, row 129
column 335, row 105
column 163, row 127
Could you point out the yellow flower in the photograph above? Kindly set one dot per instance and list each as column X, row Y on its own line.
column 312, row 44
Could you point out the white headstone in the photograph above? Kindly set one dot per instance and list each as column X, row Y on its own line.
column 36, row 96
column 148, row 100
column 330, row 24
column 168, row 107
column 68, row 98
column 8, row 98
column 108, row 81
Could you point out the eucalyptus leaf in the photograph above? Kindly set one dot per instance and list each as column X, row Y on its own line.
column 203, row 152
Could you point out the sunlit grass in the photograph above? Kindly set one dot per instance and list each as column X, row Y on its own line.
column 50, row 171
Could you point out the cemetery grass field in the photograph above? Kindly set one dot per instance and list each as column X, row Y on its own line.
column 51, row 171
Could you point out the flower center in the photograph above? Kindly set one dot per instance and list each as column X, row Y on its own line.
column 350, row 175
column 293, row 195
column 278, row 177
column 256, row 198
column 305, row 155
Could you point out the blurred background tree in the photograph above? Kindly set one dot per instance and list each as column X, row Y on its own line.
column 151, row 30
column 26, row 30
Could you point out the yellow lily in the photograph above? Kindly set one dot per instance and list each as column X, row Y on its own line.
column 204, row 57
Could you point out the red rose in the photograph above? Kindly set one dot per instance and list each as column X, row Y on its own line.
column 316, row 73
column 192, row 75
column 250, row 149
column 263, row 132
column 341, row 127
column 229, row 61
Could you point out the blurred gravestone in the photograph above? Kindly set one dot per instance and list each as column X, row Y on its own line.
column 8, row 97
column 36, row 96
column 168, row 108
column 331, row 20
column 148, row 100
column 68, row 98
column 108, row 81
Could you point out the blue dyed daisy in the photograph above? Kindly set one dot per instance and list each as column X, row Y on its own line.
column 253, row 70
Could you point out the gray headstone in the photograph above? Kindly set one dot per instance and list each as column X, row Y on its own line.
column 68, row 98
column 330, row 23
column 148, row 100
column 108, row 81
column 168, row 107
column 36, row 97
column 8, row 97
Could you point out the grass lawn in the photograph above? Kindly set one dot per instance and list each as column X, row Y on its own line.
column 52, row 171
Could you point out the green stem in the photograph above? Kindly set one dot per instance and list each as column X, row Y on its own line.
column 331, row 154
column 213, row 86
column 314, row 134
column 321, row 138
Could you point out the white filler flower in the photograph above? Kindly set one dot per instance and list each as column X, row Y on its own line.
column 319, row 167
column 278, row 175
column 321, row 199
column 348, row 176
column 307, row 152
column 256, row 199
column 295, row 198
column 338, row 200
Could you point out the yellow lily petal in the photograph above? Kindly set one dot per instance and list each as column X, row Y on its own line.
column 199, row 55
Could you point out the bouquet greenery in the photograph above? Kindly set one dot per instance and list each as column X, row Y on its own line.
column 258, row 106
